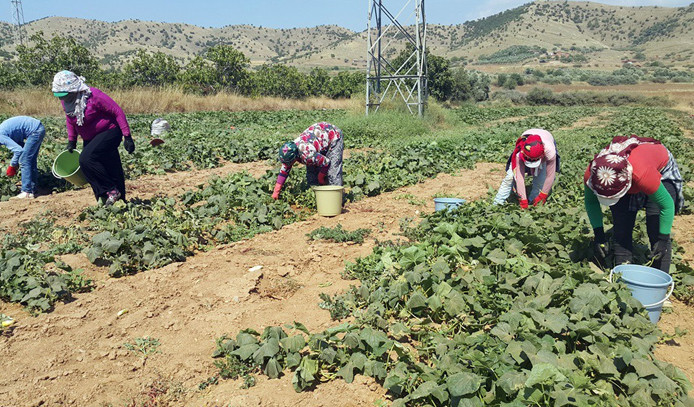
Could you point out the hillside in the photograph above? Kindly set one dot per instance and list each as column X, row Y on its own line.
column 552, row 32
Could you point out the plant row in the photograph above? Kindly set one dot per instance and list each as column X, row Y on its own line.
column 140, row 235
column 490, row 305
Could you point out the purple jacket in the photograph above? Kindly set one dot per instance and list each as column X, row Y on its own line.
column 101, row 114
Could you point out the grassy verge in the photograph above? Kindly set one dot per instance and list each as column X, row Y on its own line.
column 41, row 102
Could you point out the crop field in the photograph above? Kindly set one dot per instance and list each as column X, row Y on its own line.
column 202, row 290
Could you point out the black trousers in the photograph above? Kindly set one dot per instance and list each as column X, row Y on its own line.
column 624, row 221
column 101, row 165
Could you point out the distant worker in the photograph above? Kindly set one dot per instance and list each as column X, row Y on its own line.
column 320, row 148
column 23, row 136
column 629, row 174
column 93, row 115
column 535, row 154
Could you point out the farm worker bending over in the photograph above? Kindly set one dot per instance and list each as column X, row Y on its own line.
column 101, row 123
column 320, row 148
column 627, row 175
column 536, row 154
column 23, row 136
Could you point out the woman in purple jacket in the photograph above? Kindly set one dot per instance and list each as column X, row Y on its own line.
column 93, row 115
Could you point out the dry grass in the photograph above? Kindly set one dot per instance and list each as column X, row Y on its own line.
column 40, row 102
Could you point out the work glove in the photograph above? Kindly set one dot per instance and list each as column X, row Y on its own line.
column 661, row 248
column 11, row 171
column 323, row 177
column 276, row 192
column 129, row 144
column 600, row 246
column 71, row 145
column 524, row 204
column 540, row 199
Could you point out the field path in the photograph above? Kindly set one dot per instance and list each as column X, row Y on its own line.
column 75, row 355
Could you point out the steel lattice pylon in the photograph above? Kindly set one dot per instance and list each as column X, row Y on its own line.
column 18, row 20
column 384, row 75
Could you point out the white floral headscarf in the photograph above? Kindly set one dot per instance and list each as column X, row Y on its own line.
column 67, row 81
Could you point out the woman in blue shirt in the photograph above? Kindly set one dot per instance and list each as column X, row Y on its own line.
column 23, row 136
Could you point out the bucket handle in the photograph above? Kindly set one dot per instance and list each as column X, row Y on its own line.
column 672, row 288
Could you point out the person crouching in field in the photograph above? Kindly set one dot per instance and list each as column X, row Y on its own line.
column 536, row 154
column 23, row 136
column 93, row 115
column 320, row 149
column 629, row 174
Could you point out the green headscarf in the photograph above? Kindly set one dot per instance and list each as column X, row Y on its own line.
column 288, row 152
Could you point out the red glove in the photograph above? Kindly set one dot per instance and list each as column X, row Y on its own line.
column 11, row 171
column 541, row 199
column 276, row 192
column 524, row 203
column 322, row 177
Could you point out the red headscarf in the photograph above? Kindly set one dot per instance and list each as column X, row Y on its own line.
column 531, row 150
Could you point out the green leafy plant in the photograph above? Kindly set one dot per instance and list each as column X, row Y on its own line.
column 143, row 346
column 338, row 234
column 490, row 305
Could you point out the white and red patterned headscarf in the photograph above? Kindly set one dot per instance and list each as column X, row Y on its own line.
column 610, row 171
column 69, row 82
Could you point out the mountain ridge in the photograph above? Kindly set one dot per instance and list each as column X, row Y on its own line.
column 592, row 34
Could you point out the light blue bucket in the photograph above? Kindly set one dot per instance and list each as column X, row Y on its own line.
column 447, row 203
column 650, row 286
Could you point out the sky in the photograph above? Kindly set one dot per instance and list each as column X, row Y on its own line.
column 350, row 14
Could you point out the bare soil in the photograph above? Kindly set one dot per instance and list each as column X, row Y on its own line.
column 75, row 355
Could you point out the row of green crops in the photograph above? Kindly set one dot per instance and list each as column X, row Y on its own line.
column 146, row 234
column 197, row 140
column 140, row 235
column 491, row 305
column 207, row 140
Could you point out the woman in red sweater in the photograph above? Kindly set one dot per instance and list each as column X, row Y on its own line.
column 629, row 174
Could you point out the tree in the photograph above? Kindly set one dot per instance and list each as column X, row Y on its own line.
column 280, row 80
column 318, row 82
column 541, row 96
column 199, row 76
column 39, row 62
column 470, row 86
column 439, row 77
column 229, row 67
column 517, row 79
column 157, row 69
column 479, row 85
column 9, row 77
column 345, row 84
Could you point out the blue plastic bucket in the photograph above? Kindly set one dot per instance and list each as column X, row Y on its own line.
column 447, row 203
column 650, row 286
